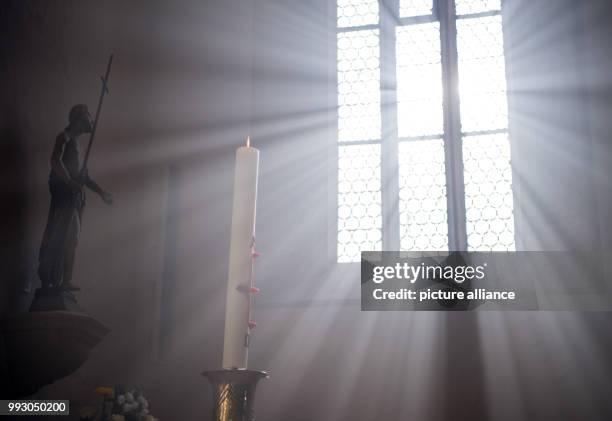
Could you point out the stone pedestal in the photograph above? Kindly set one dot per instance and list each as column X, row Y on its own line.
column 54, row 299
column 234, row 393
column 44, row 346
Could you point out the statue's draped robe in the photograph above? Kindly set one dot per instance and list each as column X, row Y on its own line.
column 60, row 239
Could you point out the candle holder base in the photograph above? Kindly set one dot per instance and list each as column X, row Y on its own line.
column 234, row 393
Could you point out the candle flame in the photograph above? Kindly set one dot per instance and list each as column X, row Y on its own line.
column 248, row 143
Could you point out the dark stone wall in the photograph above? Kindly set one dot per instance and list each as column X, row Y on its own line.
column 552, row 147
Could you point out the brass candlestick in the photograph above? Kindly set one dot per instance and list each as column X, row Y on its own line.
column 234, row 393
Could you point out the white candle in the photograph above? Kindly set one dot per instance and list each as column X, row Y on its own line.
column 235, row 344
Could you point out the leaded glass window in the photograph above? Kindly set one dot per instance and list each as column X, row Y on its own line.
column 423, row 143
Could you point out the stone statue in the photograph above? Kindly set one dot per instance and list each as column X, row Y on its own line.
column 66, row 184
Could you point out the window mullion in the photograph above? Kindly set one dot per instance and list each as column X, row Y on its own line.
column 457, row 237
column 389, row 10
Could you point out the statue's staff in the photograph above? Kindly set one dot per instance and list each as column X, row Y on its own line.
column 95, row 124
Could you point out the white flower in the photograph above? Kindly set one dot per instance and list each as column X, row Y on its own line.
column 127, row 407
column 142, row 401
column 129, row 397
column 120, row 399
